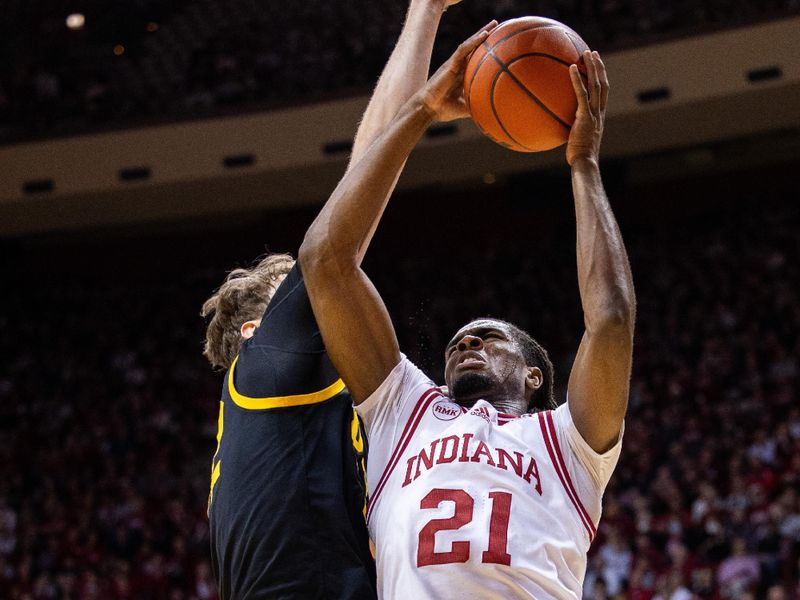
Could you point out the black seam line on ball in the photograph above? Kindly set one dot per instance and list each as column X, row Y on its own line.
column 530, row 94
column 575, row 43
column 497, row 117
column 500, row 41
column 543, row 54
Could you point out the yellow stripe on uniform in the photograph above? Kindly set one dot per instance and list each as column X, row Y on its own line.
column 281, row 401
column 214, row 476
column 216, row 466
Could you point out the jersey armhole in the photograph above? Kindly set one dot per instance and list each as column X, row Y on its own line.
column 270, row 402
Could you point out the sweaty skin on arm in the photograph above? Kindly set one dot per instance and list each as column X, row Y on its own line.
column 600, row 378
column 355, row 325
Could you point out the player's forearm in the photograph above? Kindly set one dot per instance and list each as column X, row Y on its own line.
column 604, row 275
column 404, row 74
column 340, row 233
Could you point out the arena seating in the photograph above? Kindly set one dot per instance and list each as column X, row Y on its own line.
column 108, row 410
column 134, row 62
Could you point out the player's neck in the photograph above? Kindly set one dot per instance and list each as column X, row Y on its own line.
column 502, row 401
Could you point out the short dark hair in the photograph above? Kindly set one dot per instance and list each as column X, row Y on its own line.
column 536, row 356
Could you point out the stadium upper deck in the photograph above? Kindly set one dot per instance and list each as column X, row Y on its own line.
column 134, row 62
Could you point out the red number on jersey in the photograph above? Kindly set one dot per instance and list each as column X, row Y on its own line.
column 498, row 530
column 464, row 505
column 459, row 553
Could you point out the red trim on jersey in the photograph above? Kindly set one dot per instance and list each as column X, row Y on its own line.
column 557, row 465
column 551, row 425
column 505, row 418
column 411, row 426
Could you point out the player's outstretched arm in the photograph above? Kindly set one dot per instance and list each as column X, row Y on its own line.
column 404, row 74
column 355, row 325
column 600, row 378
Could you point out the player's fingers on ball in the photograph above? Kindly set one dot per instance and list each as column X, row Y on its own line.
column 603, row 82
column 476, row 39
column 591, row 70
column 600, row 67
column 586, row 59
column 577, row 83
column 489, row 26
column 594, row 83
column 466, row 47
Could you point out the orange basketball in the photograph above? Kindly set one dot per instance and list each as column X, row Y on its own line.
column 517, row 83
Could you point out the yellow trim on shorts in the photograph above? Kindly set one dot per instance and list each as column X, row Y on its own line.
column 249, row 403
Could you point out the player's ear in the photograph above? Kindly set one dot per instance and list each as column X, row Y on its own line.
column 248, row 328
column 533, row 379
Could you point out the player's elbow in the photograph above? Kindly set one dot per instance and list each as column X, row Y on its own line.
column 319, row 257
column 312, row 254
column 615, row 319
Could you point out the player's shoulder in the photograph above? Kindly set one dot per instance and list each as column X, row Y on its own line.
column 288, row 368
column 288, row 322
column 406, row 378
column 399, row 396
column 285, row 362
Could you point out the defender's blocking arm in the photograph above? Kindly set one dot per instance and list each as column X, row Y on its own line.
column 600, row 377
column 355, row 325
column 404, row 74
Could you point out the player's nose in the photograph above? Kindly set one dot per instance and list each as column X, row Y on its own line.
column 470, row 342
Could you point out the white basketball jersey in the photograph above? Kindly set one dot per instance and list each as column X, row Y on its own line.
column 477, row 504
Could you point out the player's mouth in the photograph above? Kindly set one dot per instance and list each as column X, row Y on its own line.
column 470, row 360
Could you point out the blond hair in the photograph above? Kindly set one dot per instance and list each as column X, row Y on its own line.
column 242, row 297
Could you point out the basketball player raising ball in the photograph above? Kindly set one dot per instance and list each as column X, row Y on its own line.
column 495, row 491
column 287, row 500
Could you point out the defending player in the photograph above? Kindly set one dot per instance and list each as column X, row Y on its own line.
column 480, row 496
column 287, row 499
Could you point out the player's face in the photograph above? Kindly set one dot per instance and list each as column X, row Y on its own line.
column 484, row 359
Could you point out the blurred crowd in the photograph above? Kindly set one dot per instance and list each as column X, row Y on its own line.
column 106, row 425
column 705, row 502
column 149, row 59
column 108, row 410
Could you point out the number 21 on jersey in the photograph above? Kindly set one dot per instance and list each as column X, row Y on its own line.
column 497, row 550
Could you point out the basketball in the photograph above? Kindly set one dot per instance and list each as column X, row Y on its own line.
column 517, row 84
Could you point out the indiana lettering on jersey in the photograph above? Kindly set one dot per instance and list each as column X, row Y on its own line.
column 463, row 449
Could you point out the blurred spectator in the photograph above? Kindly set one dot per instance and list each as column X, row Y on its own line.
column 616, row 559
column 108, row 409
column 739, row 572
column 671, row 587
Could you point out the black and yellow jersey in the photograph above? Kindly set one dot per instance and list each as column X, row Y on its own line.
column 287, row 501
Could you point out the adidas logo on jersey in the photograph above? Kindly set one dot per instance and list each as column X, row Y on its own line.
column 481, row 412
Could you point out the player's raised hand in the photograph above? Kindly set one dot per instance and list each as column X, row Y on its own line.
column 587, row 131
column 443, row 95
